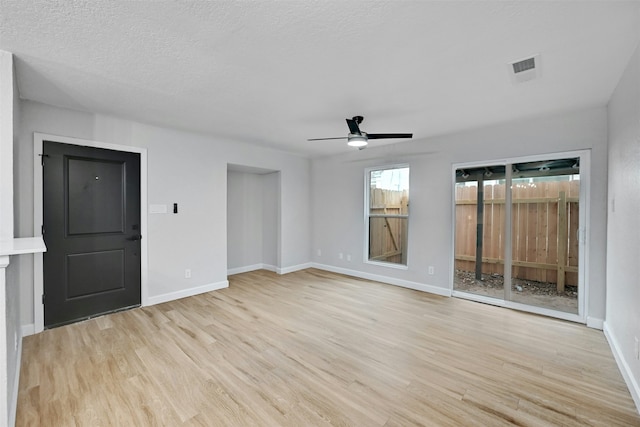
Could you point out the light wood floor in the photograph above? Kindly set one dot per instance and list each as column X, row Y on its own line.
column 313, row 348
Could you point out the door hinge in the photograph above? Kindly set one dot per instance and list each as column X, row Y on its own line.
column 42, row 230
column 42, row 156
column 42, row 299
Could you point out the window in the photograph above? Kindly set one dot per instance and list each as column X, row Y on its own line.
column 387, row 214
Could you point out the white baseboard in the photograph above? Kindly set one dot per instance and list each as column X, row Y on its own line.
column 269, row 267
column 16, row 383
column 595, row 323
column 293, row 268
column 254, row 267
column 29, row 329
column 632, row 383
column 245, row 269
column 385, row 279
column 158, row 299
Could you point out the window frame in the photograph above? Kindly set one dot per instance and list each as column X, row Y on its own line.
column 368, row 216
column 584, row 235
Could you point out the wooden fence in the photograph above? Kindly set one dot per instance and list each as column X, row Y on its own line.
column 544, row 232
column 388, row 236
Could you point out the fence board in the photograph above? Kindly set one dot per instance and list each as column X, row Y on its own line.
column 554, row 190
column 535, row 232
column 562, row 240
column 387, row 236
column 541, row 233
column 487, row 238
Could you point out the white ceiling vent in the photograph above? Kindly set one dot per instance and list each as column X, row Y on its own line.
column 524, row 70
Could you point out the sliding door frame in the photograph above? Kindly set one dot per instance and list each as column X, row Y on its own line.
column 583, row 235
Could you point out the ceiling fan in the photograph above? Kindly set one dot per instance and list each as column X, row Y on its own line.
column 357, row 138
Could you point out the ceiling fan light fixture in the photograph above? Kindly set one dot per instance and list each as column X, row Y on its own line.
column 357, row 140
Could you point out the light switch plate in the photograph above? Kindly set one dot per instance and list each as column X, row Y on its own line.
column 157, row 209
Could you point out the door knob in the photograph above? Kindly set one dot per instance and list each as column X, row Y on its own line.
column 134, row 238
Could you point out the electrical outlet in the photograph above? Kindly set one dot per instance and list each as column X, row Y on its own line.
column 637, row 349
column 349, row 257
column 431, row 270
column 319, row 252
column 187, row 273
column 340, row 255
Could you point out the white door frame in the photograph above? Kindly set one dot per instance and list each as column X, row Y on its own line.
column 583, row 235
column 38, row 281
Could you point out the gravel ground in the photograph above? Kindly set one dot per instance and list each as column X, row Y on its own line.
column 523, row 291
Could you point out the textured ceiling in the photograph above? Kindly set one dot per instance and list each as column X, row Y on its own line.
column 277, row 73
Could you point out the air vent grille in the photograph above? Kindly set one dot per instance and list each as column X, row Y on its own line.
column 524, row 70
column 527, row 64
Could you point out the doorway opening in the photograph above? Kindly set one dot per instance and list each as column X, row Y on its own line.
column 519, row 239
column 253, row 219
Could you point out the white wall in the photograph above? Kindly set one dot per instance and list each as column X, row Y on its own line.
column 252, row 220
column 9, row 347
column 185, row 168
column 7, row 103
column 270, row 218
column 244, row 219
column 338, row 192
column 14, row 282
column 623, row 234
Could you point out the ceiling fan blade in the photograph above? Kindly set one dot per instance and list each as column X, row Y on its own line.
column 324, row 139
column 353, row 127
column 389, row 135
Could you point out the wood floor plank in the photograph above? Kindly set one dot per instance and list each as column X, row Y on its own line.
column 314, row 348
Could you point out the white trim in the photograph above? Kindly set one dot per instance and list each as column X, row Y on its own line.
column 385, row 279
column 28, row 329
column 38, row 291
column 478, row 298
column 38, row 139
column 183, row 293
column 545, row 311
column 388, row 264
column 270, row 267
column 584, row 220
column 13, row 408
column 632, row 384
column 367, row 194
column 245, row 269
column 595, row 323
column 254, row 267
column 518, row 306
column 291, row 269
column 22, row 245
column 452, row 246
column 4, row 343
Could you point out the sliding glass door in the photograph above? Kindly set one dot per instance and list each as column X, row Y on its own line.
column 517, row 235
column 480, row 220
column 545, row 227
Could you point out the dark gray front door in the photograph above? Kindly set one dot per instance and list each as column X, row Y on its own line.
column 92, row 231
